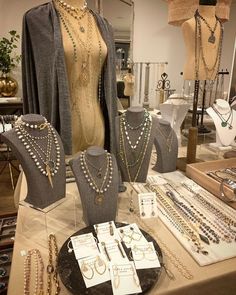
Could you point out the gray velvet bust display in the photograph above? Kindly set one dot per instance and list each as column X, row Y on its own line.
column 96, row 213
column 40, row 194
column 135, row 117
column 167, row 150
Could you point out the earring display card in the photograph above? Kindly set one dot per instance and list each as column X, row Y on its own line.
column 94, row 270
column 145, row 256
column 84, row 246
column 113, row 251
column 106, row 231
column 131, row 235
column 124, row 279
column 147, row 205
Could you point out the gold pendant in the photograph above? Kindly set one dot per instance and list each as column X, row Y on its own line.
column 49, row 174
column 99, row 199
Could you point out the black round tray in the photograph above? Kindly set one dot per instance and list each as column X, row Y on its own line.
column 71, row 277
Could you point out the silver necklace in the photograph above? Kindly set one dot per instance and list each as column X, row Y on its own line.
column 47, row 163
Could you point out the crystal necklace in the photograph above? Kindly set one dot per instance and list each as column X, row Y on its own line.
column 224, row 121
column 212, row 37
column 106, row 181
column 41, row 153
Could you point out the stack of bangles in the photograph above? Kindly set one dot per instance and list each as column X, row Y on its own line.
column 226, row 177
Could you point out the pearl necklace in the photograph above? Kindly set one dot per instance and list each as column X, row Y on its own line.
column 143, row 125
column 47, row 164
column 107, row 179
column 39, row 268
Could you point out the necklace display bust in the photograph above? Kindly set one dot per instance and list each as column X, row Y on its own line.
column 224, row 118
column 203, row 40
column 96, row 175
column 166, row 144
column 38, row 147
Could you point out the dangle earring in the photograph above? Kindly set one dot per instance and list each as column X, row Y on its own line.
column 135, row 235
column 111, row 228
column 86, row 268
column 116, row 280
column 99, row 263
column 142, row 207
column 153, row 212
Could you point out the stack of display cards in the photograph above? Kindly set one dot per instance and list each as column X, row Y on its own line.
column 147, row 205
column 145, row 256
column 113, row 251
column 131, row 235
column 124, row 279
column 94, row 270
column 106, row 231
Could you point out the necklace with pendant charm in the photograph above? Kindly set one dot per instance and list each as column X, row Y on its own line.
column 224, row 122
column 41, row 152
column 105, row 182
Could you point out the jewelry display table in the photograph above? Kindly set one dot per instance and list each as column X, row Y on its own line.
column 33, row 228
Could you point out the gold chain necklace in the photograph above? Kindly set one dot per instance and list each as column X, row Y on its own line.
column 167, row 138
column 39, row 268
column 52, row 274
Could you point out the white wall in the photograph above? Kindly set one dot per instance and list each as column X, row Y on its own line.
column 155, row 40
column 11, row 14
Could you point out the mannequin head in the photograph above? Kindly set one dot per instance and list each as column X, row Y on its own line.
column 208, row 2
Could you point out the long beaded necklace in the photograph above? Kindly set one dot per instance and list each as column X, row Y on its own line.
column 39, row 268
column 141, row 126
column 106, row 181
column 199, row 51
column 167, row 138
column 189, row 230
column 219, row 214
column 140, row 156
column 52, row 274
column 47, row 163
column 194, row 215
column 224, row 121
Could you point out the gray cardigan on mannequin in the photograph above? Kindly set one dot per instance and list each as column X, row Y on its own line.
column 44, row 75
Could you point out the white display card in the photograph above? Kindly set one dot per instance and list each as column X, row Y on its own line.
column 131, row 235
column 147, row 205
column 84, row 245
column 113, row 251
column 94, row 270
column 124, row 279
column 156, row 179
column 145, row 256
column 106, row 231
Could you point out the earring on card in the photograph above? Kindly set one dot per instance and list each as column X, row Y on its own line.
column 86, row 268
column 100, row 263
column 142, row 208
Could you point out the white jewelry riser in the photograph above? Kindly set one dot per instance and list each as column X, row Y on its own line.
column 175, row 115
column 42, row 222
column 224, row 136
column 217, row 252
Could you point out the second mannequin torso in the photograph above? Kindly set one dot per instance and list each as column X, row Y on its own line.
column 85, row 53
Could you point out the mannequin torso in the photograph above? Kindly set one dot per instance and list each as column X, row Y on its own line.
column 210, row 49
column 84, row 58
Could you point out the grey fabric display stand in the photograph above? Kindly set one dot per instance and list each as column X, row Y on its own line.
column 166, row 144
column 40, row 193
column 135, row 117
column 106, row 211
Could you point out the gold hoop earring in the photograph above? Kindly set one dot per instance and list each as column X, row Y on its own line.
column 99, row 263
column 85, row 268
